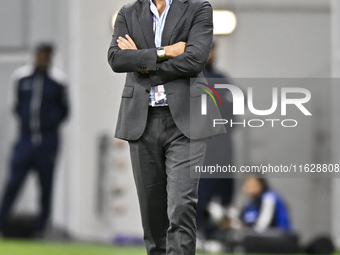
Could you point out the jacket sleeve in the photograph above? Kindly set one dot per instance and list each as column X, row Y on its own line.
column 193, row 60
column 122, row 61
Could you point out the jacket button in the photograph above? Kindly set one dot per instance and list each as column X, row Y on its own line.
column 147, row 91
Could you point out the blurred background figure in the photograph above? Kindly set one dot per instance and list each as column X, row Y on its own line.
column 263, row 223
column 265, row 208
column 219, row 151
column 40, row 106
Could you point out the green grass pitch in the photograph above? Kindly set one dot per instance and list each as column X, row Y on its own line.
column 45, row 248
column 11, row 247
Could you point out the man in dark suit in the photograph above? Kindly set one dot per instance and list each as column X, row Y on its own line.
column 162, row 44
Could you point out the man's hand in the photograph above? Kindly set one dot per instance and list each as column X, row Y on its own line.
column 175, row 49
column 126, row 43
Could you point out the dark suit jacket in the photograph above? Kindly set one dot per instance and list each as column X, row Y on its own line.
column 189, row 21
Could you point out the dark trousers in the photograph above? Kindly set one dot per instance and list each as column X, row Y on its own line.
column 26, row 157
column 161, row 161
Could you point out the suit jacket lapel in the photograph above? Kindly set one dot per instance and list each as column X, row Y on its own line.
column 175, row 13
column 145, row 20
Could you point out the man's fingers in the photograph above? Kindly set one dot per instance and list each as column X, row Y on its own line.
column 131, row 41
column 123, row 46
column 123, row 43
column 126, row 43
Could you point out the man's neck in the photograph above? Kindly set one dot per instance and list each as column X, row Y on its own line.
column 160, row 4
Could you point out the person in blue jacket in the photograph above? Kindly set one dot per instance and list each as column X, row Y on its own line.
column 39, row 103
column 265, row 209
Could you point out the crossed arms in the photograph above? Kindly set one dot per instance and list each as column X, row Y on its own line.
column 183, row 58
column 171, row 51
